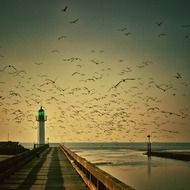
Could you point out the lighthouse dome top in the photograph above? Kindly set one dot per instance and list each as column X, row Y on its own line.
column 41, row 109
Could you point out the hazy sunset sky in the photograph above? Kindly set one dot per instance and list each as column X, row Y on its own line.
column 104, row 70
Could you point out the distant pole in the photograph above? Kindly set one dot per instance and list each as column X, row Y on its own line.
column 148, row 146
column 8, row 136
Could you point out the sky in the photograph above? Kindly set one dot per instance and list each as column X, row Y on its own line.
column 103, row 70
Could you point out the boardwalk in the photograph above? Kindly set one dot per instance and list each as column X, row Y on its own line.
column 51, row 170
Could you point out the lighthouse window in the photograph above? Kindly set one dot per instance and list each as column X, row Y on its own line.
column 41, row 115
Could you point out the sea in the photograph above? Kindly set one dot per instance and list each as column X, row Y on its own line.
column 128, row 163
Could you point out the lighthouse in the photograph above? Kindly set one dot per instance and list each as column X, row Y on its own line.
column 41, row 118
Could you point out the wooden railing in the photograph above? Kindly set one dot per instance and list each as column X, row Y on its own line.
column 94, row 177
column 10, row 165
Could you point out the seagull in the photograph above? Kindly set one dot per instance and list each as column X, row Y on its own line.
column 89, row 91
column 169, row 131
column 163, row 87
column 144, row 64
column 96, row 61
column 75, row 73
column 8, row 66
column 72, row 59
column 61, row 37
column 170, row 113
column 178, row 76
column 127, row 33
column 74, row 21
column 159, row 23
column 38, row 63
column 55, row 51
column 153, row 109
column 18, row 73
column 48, row 81
column 123, row 80
column 12, row 93
column 65, row 9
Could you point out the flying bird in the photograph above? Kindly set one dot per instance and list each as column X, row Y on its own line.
column 159, row 23
column 75, row 73
column 143, row 64
column 64, row 9
column 55, row 51
column 74, row 21
column 123, row 80
column 72, row 59
column 61, row 37
column 49, row 81
column 178, row 76
column 153, row 109
column 12, row 93
column 96, row 61
column 38, row 63
column 18, row 73
column 170, row 113
column 127, row 33
column 88, row 91
column 163, row 87
column 8, row 66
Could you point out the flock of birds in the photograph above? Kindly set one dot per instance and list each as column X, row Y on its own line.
column 159, row 24
column 124, row 110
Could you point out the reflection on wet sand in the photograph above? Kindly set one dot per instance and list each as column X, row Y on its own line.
column 149, row 165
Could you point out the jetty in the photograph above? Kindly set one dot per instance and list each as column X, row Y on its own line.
column 11, row 148
column 47, row 167
column 177, row 155
column 184, row 156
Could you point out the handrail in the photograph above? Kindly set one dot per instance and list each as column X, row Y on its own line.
column 10, row 165
column 94, row 177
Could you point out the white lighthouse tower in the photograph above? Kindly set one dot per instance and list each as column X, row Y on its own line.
column 41, row 118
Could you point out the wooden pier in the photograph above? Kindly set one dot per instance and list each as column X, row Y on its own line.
column 51, row 170
column 56, row 168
